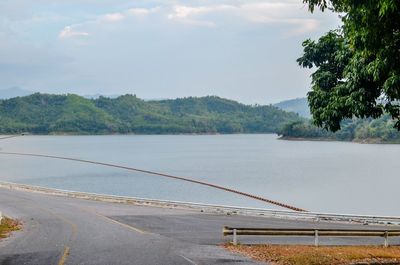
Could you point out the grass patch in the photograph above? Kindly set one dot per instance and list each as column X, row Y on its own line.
column 7, row 225
column 310, row 255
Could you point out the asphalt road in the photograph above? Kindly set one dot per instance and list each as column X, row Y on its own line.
column 60, row 230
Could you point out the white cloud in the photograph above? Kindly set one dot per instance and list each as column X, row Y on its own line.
column 113, row 17
column 187, row 14
column 142, row 11
column 284, row 12
column 289, row 15
column 68, row 32
column 180, row 12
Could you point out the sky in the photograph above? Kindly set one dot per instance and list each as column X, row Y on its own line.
column 244, row 50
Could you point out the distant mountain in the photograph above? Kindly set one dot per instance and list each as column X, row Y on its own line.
column 13, row 92
column 298, row 105
column 52, row 114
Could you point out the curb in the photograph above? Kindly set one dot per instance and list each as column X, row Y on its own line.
column 209, row 208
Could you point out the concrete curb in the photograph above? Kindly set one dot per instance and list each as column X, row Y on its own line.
column 210, row 208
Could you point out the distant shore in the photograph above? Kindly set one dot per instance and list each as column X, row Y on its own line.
column 286, row 138
column 141, row 134
column 327, row 139
column 315, row 139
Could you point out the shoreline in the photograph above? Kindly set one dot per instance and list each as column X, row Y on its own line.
column 311, row 139
column 139, row 134
column 284, row 138
column 317, row 139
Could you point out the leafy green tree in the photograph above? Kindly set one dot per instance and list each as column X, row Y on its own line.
column 359, row 130
column 358, row 65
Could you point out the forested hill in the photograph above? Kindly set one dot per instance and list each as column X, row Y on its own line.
column 73, row 114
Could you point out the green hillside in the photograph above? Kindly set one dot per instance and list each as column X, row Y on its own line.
column 72, row 114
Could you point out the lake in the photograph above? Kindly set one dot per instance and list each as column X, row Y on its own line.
column 317, row 176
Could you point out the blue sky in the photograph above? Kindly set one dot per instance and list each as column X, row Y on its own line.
column 243, row 50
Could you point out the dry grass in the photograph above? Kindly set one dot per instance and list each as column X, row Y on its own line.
column 8, row 225
column 310, row 255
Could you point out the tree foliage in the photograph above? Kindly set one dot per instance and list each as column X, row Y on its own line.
column 368, row 130
column 358, row 65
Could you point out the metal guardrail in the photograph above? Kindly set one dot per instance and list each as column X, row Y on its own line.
column 316, row 233
column 233, row 210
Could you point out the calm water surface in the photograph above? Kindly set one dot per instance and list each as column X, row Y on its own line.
column 317, row 176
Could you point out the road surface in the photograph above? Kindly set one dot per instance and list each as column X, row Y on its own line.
column 61, row 230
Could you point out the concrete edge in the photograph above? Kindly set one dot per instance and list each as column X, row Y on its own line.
column 208, row 208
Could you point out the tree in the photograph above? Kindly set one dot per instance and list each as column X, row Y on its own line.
column 358, row 65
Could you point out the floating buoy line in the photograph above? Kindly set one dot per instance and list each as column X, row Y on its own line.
column 283, row 205
column 9, row 136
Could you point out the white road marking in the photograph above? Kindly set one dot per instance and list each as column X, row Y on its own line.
column 188, row 260
column 130, row 227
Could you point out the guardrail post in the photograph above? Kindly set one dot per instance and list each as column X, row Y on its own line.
column 386, row 236
column 234, row 237
column 309, row 232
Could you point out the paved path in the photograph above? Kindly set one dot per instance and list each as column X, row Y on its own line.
column 60, row 230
